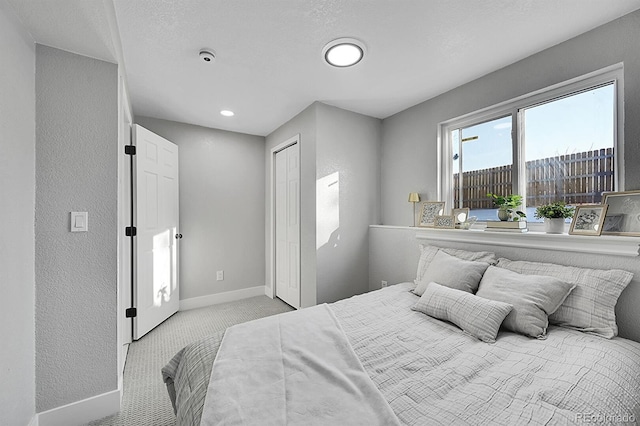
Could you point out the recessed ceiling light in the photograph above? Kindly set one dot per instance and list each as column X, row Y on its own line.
column 343, row 52
column 227, row 113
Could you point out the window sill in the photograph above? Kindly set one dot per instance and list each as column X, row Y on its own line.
column 609, row 245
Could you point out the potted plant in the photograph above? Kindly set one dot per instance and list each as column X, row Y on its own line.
column 507, row 206
column 554, row 215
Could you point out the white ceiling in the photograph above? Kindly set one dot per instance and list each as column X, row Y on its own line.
column 269, row 64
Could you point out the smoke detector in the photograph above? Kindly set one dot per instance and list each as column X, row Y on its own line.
column 207, row 56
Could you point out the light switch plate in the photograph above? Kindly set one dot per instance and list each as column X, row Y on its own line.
column 79, row 221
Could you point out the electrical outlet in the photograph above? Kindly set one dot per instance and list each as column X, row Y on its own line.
column 384, row 283
column 220, row 275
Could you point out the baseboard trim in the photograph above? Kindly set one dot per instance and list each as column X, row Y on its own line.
column 34, row 421
column 81, row 412
column 227, row 296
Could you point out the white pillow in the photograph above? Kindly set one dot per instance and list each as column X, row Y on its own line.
column 477, row 316
column 452, row 272
column 591, row 305
column 427, row 253
column 533, row 297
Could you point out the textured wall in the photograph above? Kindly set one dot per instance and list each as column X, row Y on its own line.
column 347, row 165
column 17, row 197
column 394, row 253
column 305, row 125
column 340, row 152
column 409, row 162
column 76, row 165
column 221, row 198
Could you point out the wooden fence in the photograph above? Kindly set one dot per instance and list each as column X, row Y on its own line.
column 579, row 178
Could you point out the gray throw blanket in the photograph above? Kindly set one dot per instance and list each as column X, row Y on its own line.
column 293, row 369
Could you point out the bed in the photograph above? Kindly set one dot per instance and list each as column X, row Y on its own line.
column 411, row 365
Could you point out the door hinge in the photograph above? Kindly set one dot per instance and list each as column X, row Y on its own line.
column 130, row 231
column 130, row 149
column 131, row 312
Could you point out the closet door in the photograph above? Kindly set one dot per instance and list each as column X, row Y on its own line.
column 287, row 225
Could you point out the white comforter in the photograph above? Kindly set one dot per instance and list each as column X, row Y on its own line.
column 431, row 373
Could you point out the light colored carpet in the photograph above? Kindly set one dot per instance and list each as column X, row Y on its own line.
column 145, row 400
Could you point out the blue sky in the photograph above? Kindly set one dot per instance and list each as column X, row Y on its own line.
column 577, row 123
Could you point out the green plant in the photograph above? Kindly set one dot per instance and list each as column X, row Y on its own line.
column 508, row 203
column 555, row 210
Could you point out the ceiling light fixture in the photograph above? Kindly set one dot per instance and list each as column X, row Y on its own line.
column 227, row 113
column 343, row 52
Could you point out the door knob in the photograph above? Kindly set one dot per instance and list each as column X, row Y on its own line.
column 178, row 236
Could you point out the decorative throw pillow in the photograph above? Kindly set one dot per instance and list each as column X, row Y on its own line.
column 427, row 253
column 533, row 297
column 591, row 305
column 452, row 272
column 477, row 316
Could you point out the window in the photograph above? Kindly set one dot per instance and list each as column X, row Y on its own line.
column 483, row 152
column 558, row 144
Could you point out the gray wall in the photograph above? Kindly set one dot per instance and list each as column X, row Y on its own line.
column 409, row 137
column 304, row 124
column 17, row 198
column 341, row 149
column 221, row 197
column 394, row 253
column 348, row 153
column 76, row 166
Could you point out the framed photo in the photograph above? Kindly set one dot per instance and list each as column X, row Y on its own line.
column 429, row 211
column 588, row 219
column 613, row 224
column 461, row 214
column 623, row 214
column 445, row 222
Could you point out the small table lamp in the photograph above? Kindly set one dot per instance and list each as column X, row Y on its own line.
column 414, row 198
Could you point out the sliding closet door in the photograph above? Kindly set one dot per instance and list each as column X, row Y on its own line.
column 287, row 225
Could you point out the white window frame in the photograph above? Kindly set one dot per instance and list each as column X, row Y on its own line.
column 514, row 107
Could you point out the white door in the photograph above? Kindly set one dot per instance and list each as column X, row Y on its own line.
column 287, row 225
column 157, row 296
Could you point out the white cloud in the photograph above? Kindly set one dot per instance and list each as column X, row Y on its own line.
column 502, row 126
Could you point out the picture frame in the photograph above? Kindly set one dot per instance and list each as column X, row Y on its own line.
column 623, row 213
column 429, row 211
column 461, row 215
column 447, row 222
column 588, row 219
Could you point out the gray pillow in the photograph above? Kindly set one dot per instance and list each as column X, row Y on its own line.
column 427, row 253
column 591, row 307
column 452, row 272
column 477, row 316
column 534, row 298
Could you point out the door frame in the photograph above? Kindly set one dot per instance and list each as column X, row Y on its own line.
column 123, row 324
column 272, row 223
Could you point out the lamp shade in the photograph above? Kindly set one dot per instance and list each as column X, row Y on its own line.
column 414, row 197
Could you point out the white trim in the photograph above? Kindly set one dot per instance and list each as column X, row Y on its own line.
column 268, row 292
column 34, row 421
column 605, row 244
column 81, row 412
column 272, row 225
column 227, row 296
